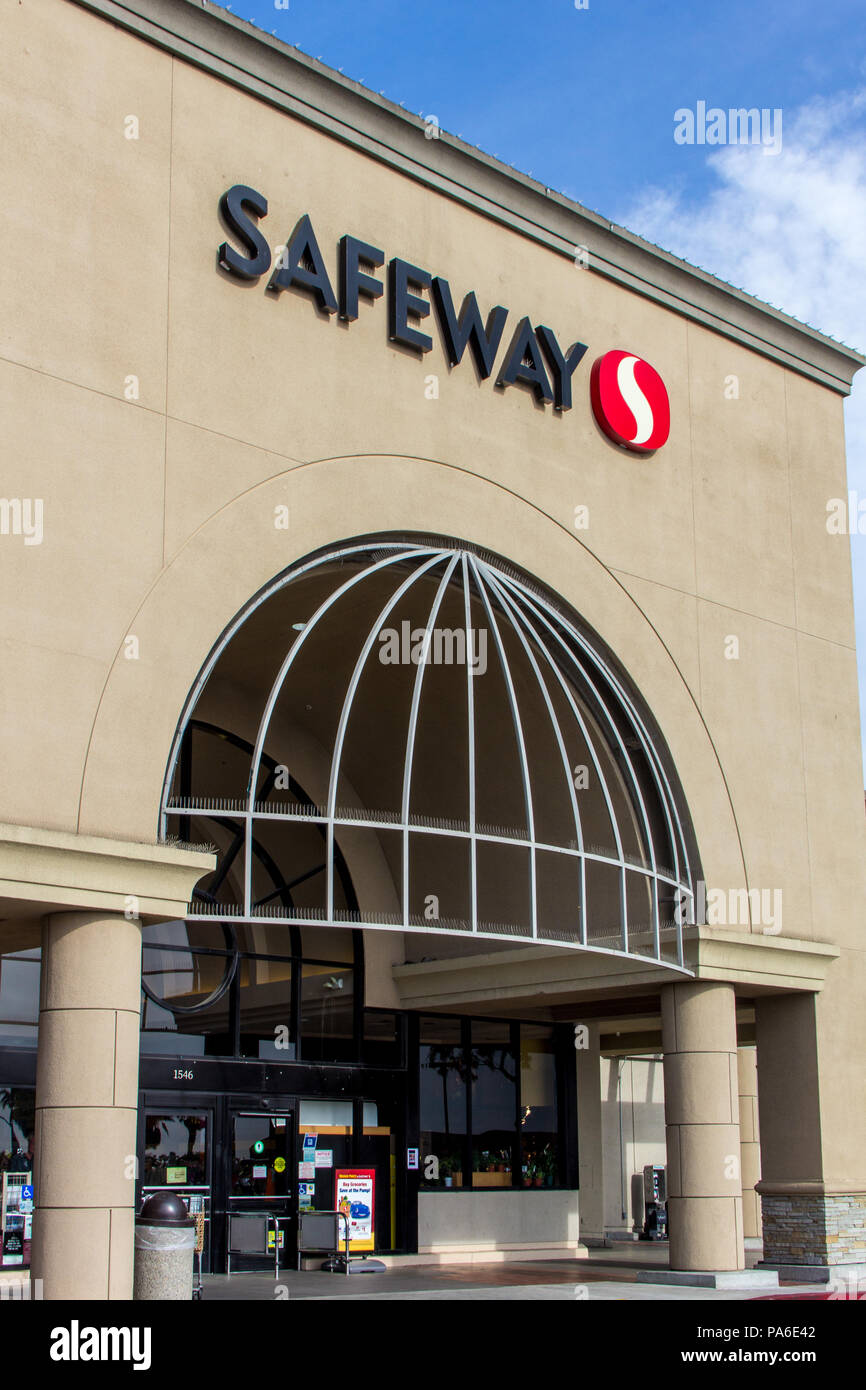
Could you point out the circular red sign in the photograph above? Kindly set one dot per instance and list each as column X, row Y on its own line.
column 630, row 401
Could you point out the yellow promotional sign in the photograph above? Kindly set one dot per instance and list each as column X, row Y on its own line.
column 354, row 1194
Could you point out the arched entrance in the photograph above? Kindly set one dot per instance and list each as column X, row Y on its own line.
column 449, row 711
column 402, row 740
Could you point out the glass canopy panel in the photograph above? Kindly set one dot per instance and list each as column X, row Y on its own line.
column 410, row 734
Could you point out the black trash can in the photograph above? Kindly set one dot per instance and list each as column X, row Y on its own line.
column 164, row 1247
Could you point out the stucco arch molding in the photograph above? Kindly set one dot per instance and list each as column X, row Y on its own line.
column 245, row 543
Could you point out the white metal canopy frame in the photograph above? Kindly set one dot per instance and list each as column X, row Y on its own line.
column 522, row 790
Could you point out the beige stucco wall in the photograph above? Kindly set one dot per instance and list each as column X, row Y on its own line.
column 159, row 513
column 634, row 1085
column 485, row 1222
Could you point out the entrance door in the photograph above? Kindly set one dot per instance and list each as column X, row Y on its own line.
column 260, row 1180
column 177, row 1145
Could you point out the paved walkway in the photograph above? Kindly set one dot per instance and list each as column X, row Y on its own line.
column 609, row 1275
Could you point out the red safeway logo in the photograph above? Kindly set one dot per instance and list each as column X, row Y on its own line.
column 630, row 401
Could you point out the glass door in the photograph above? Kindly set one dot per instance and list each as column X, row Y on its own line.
column 177, row 1156
column 260, row 1182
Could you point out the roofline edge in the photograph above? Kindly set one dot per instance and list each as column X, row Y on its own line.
column 273, row 71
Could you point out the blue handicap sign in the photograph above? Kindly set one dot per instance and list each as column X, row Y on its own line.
column 27, row 1192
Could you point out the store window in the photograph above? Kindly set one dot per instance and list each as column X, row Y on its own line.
column 488, row 1104
column 17, row 1123
column 540, row 1148
column 493, row 1062
column 443, row 1102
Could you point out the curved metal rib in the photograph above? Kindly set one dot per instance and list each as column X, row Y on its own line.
column 521, row 742
column 470, row 737
column 413, row 724
column 650, row 842
column 667, row 800
column 348, row 701
column 226, row 637
column 510, row 607
column 602, row 781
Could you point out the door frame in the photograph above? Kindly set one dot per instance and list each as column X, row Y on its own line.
column 267, row 1107
column 180, row 1103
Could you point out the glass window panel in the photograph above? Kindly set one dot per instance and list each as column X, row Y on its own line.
column 264, row 938
column 173, row 933
column 185, row 935
column 494, row 1104
column 265, row 997
column 261, row 1157
column 175, row 1150
column 443, row 1103
column 326, row 1125
column 19, row 998
column 184, row 978
column 327, row 1013
column 317, row 1114
column 378, row 1150
column 382, row 1038
column 166, row 1034
column 539, row 1123
column 17, row 1125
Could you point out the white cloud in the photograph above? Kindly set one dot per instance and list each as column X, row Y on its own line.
column 791, row 229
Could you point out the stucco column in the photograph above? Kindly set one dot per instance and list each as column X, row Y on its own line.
column 705, row 1207
column 86, row 1105
column 811, row 1093
column 750, row 1147
column 590, row 1140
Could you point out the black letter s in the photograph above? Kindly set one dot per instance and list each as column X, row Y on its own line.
column 240, row 225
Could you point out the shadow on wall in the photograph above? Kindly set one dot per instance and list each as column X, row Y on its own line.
column 633, row 1133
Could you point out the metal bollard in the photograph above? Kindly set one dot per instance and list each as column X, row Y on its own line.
column 164, row 1246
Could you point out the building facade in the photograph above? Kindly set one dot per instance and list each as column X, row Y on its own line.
column 429, row 683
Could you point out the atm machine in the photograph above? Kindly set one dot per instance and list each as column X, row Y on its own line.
column 655, row 1196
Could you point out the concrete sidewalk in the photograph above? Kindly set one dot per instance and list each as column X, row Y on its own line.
column 608, row 1275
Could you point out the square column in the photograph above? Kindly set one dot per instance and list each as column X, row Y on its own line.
column 590, row 1140
column 812, row 1097
column 87, row 1106
column 750, row 1147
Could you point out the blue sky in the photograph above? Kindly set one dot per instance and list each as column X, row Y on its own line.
column 585, row 100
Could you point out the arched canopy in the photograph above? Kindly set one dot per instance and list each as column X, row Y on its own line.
column 423, row 707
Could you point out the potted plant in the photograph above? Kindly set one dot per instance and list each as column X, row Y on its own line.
column 447, row 1169
column 549, row 1166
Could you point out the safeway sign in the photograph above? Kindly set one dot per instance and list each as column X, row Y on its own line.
column 629, row 399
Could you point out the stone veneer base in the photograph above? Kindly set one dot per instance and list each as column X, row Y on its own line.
column 813, row 1231
column 849, row 1279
